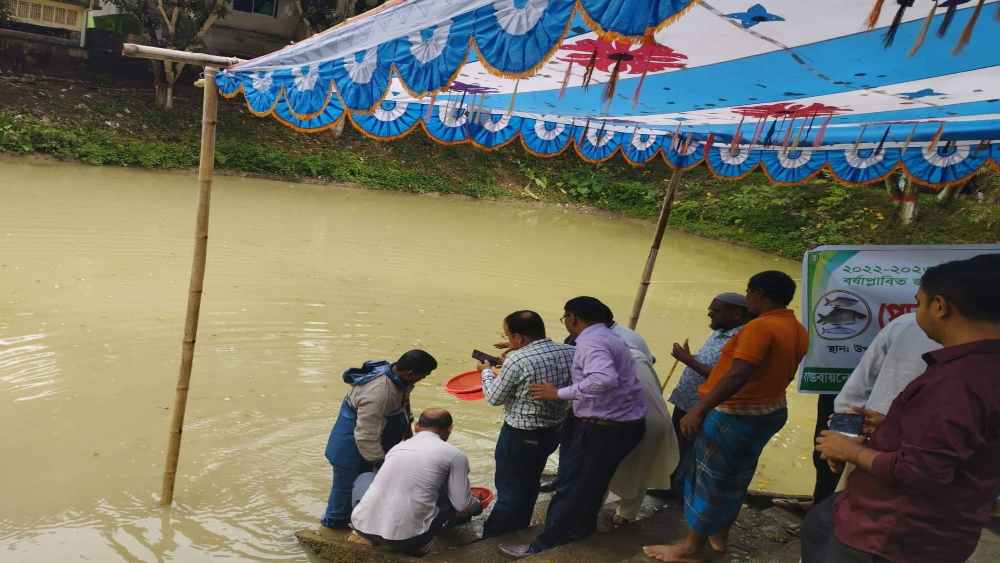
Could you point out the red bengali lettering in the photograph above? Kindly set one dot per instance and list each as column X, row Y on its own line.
column 890, row 311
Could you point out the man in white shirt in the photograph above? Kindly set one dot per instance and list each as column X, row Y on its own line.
column 421, row 487
column 892, row 361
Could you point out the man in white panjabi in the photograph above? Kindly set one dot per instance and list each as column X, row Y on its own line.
column 422, row 487
column 651, row 463
column 892, row 361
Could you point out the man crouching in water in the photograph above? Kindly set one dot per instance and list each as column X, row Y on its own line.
column 374, row 417
column 422, row 488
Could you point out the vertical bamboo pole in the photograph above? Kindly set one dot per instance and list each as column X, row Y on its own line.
column 661, row 225
column 206, row 167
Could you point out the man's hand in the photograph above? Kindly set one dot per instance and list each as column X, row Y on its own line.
column 835, row 447
column 682, row 353
column 544, row 392
column 691, row 424
column 483, row 365
column 872, row 419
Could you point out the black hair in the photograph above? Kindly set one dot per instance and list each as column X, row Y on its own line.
column 972, row 286
column 417, row 361
column 435, row 419
column 588, row 309
column 609, row 316
column 777, row 286
column 525, row 323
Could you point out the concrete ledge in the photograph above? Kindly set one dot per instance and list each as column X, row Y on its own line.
column 38, row 38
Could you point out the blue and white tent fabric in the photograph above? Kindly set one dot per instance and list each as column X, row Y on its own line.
column 787, row 87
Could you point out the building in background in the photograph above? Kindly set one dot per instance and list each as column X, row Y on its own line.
column 66, row 19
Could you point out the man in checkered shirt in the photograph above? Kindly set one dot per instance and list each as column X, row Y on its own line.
column 530, row 432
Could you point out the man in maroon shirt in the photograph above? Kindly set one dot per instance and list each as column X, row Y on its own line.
column 927, row 478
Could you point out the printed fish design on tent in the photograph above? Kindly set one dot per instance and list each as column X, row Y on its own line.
column 785, row 87
column 756, row 14
column 619, row 57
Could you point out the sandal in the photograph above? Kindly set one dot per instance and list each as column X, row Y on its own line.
column 619, row 522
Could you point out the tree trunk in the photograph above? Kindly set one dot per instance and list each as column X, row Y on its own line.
column 892, row 189
column 342, row 10
column 172, row 72
column 338, row 129
column 909, row 209
column 946, row 195
column 159, row 84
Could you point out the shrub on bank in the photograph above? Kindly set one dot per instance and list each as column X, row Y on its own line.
column 777, row 219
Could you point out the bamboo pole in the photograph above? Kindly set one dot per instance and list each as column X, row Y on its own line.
column 206, row 167
column 159, row 54
column 661, row 225
column 672, row 370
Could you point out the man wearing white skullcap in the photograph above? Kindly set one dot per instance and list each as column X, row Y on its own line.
column 728, row 314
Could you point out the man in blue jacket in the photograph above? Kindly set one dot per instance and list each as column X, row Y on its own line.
column 374, row 417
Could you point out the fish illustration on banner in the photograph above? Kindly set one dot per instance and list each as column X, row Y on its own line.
column 851, row 292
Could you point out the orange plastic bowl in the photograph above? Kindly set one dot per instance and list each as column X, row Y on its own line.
column 467, row 386
column 470, row 396
column 484, row 495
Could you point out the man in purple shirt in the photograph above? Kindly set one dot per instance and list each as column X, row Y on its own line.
column 927, row 478
column 608, row 422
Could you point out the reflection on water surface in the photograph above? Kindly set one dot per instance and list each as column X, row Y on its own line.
column 302, row 282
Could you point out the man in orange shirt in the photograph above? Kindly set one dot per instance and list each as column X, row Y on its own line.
column 742, row 405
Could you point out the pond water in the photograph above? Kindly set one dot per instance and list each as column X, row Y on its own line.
column 302, row 282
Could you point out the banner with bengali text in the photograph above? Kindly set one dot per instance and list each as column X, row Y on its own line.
column 850, row 292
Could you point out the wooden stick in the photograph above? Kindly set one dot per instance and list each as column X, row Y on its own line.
column 672, row 370
column 661, row 225
column 206, row 166
column 156, row 53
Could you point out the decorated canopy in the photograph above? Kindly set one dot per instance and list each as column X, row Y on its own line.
column 859, row 87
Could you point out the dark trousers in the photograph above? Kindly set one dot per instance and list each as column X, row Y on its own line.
column 826, row 480
column 416, row 544
column 820, row 545
column 520, row 460
column 587, row 464
column 683, row 448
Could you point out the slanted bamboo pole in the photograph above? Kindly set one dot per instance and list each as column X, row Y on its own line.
column 661, row 225
column 206, row 167
column 673, row 368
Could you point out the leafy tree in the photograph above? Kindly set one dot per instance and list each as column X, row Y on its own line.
column 318, row 15
column 4, row 11
column 172, row 24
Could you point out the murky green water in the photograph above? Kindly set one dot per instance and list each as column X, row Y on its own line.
column 302, row 282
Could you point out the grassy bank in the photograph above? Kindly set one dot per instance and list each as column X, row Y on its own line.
column 102, row 125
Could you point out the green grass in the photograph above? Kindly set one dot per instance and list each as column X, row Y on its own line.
column 119, row 129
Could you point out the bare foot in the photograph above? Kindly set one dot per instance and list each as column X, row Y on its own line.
column 357, row 539
column 719, row 542
column 675, row 553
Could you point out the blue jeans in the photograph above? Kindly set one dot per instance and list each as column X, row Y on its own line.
column 520, row 460
column 339, row 505
column 342, row 453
